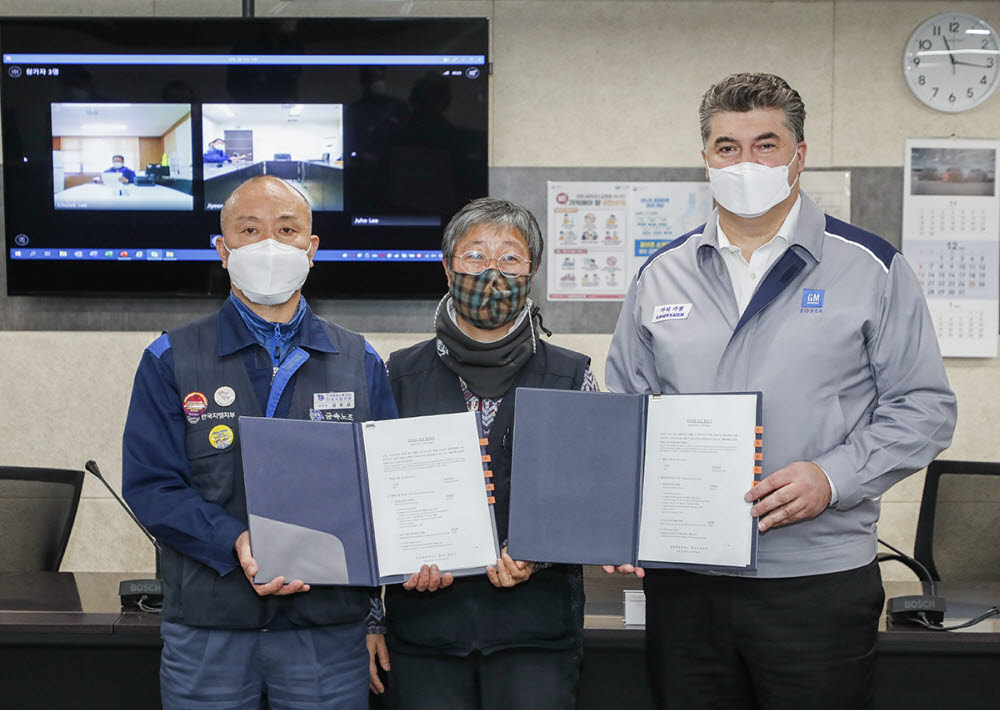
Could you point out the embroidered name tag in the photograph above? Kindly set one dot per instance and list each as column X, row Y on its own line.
column 673, row 311
column 333, row 400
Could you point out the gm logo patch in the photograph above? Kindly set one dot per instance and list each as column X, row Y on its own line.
column 812, row 300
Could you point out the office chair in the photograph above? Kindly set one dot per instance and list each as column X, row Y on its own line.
column 37, row 510
column 282, row 156
column 958, row 531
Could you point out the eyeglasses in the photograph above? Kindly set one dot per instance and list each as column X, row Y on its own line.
column 475, row 263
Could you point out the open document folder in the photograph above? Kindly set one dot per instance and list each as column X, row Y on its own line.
column 652, row 480
column 364, row 504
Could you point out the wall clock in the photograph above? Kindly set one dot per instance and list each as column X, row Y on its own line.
column 952, row 62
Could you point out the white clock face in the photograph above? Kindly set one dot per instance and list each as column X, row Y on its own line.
column 952, row 62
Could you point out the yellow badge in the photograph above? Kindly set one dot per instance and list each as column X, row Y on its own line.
column 221, row 437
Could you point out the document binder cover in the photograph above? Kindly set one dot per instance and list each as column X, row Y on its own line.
column 577, row 478
column 574, row 488
column 308, row 503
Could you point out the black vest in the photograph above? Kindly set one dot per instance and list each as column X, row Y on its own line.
column 472, row 614
column 195, row 594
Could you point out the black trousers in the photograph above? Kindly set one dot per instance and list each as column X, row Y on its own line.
column 514, row 679
column 744, row 644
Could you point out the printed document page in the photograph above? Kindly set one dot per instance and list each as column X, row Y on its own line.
column 699, row 464
column 428, row 494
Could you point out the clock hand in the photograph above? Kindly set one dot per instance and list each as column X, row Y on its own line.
column 970, row 64
column 950, row 55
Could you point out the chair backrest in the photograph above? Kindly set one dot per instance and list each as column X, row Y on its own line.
column 37, row 510
column 282, row 156
column 958, row 532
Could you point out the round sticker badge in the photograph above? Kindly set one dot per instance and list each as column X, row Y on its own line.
column 224, row 396
column 194, row 405
column 221, row 437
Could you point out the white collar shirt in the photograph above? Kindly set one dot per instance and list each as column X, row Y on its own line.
column 746, row 275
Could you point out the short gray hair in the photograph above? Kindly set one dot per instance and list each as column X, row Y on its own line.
column 749, row 92
column 499, row 214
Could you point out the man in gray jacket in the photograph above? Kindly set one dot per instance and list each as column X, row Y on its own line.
column 828, row 321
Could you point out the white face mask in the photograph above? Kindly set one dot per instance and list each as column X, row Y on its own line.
column 750, row 189
column 118, row 165
column 268, row 272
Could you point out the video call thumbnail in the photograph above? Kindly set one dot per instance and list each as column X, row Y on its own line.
column 300, row 143
column 122, row 156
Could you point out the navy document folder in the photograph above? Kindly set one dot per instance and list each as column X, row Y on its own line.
column 653, row 480
column 364, row 504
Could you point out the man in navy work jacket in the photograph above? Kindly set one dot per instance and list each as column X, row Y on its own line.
column 216, row 152
column 226, row 641
column 828, row 322
column 126, row 174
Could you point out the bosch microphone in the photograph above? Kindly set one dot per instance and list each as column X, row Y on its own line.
column 144, row 594
column 923, row 609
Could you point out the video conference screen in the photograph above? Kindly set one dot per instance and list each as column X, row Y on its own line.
column 122, row 139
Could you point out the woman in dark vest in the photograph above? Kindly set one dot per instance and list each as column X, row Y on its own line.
column 511, row 638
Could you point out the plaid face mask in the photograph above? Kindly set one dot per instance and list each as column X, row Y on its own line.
column 489, row 300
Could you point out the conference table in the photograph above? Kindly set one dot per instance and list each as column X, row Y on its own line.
column 65, row 642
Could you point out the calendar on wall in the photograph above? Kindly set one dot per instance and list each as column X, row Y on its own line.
column 951, row 238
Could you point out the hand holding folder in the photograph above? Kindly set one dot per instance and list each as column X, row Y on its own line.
column 429, row 579
column 277, row 586
column 509, row 572
column 799, row 491
column 625, row 569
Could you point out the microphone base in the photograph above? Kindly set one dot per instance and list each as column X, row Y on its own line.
column 905, row 609
column 141, row 594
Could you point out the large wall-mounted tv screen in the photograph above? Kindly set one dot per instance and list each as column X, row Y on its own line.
column 123, row 138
